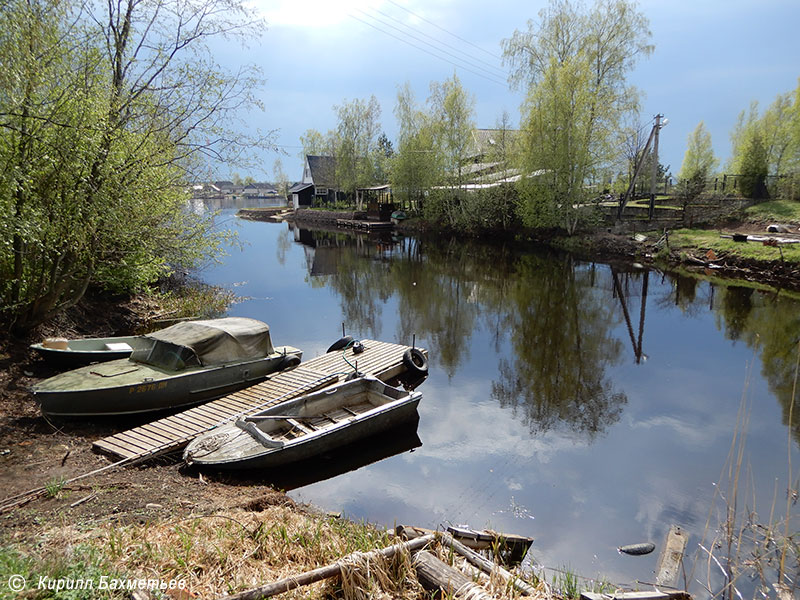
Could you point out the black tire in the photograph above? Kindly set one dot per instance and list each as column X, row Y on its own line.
column 340, row 343
column 290, row 361
column 415, row 362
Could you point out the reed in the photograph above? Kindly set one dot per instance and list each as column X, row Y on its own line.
column 740, row 551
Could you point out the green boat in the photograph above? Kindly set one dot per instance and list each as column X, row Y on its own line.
column 184, row 364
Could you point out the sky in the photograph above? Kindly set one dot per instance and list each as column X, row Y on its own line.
column 712, row 58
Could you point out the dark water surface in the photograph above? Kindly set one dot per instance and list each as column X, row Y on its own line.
column 585, row 405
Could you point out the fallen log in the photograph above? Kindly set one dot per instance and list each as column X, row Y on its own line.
column 295, row 581
column 486, row 565
column 481, row 562
column 434, row 574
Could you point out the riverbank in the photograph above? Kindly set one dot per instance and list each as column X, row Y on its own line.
column 209, row 534
column 734, row 249
column 162, row 528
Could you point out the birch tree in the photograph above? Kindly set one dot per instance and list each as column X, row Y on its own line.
column 574, row 66
column 699, row 162
column 452, row 111
column 356, row 143
column 415, row 166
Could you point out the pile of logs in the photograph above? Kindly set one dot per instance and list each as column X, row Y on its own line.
column 432, row 573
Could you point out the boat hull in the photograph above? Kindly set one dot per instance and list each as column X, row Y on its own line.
column 145, row 389
column 253, row 456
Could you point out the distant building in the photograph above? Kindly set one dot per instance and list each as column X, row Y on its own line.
column 318, row 183
column 483, row 166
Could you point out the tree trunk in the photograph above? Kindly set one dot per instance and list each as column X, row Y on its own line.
column 434, row 574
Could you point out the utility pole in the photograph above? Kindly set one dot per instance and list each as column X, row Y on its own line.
column 654, row 166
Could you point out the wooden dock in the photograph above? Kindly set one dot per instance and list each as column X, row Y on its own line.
column 169, row 434
column 364, row 225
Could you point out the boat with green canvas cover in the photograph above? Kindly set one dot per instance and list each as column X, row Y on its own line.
column 184, row 364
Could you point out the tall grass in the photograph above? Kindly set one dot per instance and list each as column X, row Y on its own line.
column 744, row 553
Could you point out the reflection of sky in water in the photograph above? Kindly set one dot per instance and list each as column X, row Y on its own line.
column 480, row 465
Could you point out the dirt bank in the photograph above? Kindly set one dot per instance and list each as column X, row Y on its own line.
column 35, row 451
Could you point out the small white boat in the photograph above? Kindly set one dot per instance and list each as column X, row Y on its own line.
column 64, row 352
column 305, row 427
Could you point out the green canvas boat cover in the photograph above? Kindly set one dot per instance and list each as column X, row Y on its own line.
column 212, row 342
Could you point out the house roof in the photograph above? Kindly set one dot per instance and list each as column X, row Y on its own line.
column 484, row 140
column 299, row 187
column 323, row 170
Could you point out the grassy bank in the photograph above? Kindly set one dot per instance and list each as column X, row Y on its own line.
column 703, row 240
column 202, row 554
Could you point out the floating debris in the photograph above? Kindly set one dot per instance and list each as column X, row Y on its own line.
column 637, row 549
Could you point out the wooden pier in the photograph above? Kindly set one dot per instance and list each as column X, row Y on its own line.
column 364, row 225
column 169, row 434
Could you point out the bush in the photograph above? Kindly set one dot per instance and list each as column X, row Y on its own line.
column 488, row 209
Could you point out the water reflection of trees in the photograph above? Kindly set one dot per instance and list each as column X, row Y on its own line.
column 764, row 320
column 561, row 333
column 560, row 330
column 557, row 315
column 771, row 322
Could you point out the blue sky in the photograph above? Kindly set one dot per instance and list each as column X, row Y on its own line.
column 711, row 59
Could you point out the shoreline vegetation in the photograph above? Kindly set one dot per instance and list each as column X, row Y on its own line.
column 718, row 249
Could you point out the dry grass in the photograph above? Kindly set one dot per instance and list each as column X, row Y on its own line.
column 221, row 553
column 239, row 548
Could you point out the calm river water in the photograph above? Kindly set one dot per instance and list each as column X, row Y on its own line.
column 586, row 405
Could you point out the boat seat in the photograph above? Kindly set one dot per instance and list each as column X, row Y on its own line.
column 300, row 426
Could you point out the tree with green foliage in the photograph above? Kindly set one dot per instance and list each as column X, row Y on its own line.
column 383, row 158
column 280, row 178
column 699, row 162
column 753, row 165
column 452, row 111
column 768, row 144
column 499, row 205
column 415, row 166
column 315, row 143
column 776, row 131
column 356, row 143
column 749, row 157
column 107, row 111
column 574, row 66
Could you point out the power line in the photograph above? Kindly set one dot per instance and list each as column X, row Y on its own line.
column 405, row 41
column 458, row 37
column 499, row 71
column 456, row 57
